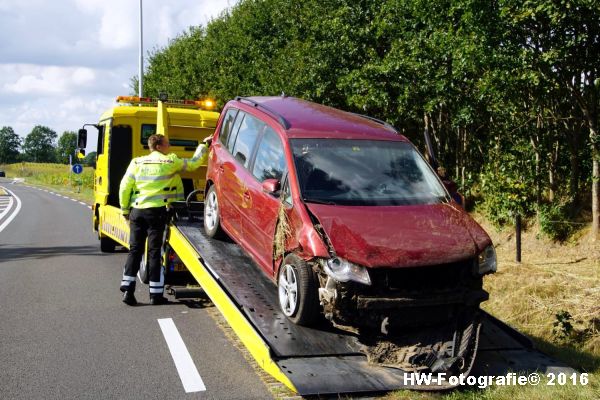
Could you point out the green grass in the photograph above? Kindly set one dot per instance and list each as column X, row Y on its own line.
column 56, row 177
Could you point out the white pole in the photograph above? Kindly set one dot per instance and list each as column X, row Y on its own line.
column 141, row 63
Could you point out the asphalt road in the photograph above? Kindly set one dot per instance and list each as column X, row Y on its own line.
column 64, row 332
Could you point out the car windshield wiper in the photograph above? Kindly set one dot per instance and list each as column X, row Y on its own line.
column 317, row 201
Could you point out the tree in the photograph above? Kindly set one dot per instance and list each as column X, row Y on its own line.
column 562, row 40
column 9, row 145
column 67, row 143
column 508, row 89
column 90, row 158
column 39, row 145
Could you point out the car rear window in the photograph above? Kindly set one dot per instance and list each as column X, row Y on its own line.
column 227, row 125
column 364, row 172
column 246, row 138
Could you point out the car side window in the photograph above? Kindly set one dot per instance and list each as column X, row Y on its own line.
column 228, row 121
column 234, row 132
column 246, row 138
column 286, row 193
column 270, row 160
column 100, row 144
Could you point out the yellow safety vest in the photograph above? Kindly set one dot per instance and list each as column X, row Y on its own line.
column 154, row 181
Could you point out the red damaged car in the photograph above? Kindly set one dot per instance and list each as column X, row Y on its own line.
column 346, row 217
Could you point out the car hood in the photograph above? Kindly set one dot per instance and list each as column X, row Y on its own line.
column 401, row 236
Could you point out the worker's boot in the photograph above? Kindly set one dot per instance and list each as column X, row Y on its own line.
column 158, row 300
column 129, row 298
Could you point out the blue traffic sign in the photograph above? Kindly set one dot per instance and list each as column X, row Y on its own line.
column 77, row 168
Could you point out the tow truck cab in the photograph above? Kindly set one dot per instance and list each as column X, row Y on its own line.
column 123, row 133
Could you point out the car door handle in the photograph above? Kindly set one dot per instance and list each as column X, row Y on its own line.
column 247, row 195
column 221, row 169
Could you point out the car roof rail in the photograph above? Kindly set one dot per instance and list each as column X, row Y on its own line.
column 386, row 124
column 282, row 121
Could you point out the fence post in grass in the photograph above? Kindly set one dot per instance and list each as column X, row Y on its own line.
column 518, row 236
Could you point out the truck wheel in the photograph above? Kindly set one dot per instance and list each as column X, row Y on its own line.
column 144, row 271
column 297, row 288
column 212, row 220
column 107, row 245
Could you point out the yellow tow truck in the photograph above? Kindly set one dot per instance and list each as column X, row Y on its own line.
column 309, row 361
column 123, row 133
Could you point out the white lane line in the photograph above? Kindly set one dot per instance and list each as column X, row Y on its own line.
column 82, row 203
column 73, row 200
column 7, row 209
column 192, row 382
column 14, row 213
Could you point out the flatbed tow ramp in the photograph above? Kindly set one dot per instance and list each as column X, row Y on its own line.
column 321, row 360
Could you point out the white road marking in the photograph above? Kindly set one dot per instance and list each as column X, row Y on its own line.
column 192, row 382
column 7, row 209
column 73, row 200
column 82, row 203
column 14, row 213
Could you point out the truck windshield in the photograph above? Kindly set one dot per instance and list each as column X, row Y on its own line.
column 361, row 172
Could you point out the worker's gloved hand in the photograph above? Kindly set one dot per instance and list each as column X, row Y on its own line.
column 208, row 141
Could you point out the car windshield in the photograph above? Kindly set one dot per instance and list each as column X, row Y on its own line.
column 361, row 172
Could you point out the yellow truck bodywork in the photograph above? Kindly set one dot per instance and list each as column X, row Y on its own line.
column 122, row 135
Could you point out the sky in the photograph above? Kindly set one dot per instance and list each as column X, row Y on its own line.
column 63, row 62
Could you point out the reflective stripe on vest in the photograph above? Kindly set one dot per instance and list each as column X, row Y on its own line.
column 155, row 178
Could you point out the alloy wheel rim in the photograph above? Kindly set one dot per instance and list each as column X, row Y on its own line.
column 210, row 211
column 288, row 290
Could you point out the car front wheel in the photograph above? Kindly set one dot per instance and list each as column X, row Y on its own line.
column 298, row 291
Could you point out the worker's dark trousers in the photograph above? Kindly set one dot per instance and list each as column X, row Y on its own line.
column 145, row 223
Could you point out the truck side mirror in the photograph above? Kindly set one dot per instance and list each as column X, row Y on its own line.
column 82, row 138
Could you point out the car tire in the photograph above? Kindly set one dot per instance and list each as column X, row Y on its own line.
column 107, row 245
column 298, row 291
column 212, row 218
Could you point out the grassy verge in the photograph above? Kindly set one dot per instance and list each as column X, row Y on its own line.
column 55, row 177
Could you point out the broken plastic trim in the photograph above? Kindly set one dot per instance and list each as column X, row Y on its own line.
column 343, row 271
column 487, row 260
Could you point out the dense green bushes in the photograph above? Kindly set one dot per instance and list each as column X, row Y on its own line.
column 507, row 88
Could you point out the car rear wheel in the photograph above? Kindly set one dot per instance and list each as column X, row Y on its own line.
column 297, row 289
column 212, row 220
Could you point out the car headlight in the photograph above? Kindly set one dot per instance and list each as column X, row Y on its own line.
column 343, row 271
column 487, row 260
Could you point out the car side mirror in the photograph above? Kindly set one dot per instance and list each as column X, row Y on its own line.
column 452, row 188
column 271, row 186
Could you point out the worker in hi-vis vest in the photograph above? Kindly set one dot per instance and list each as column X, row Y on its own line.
column 150, row 184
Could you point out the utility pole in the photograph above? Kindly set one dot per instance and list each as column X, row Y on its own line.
column 141, row 63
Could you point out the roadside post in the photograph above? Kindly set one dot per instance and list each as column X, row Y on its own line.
column 518, row 236
column 77, row 169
